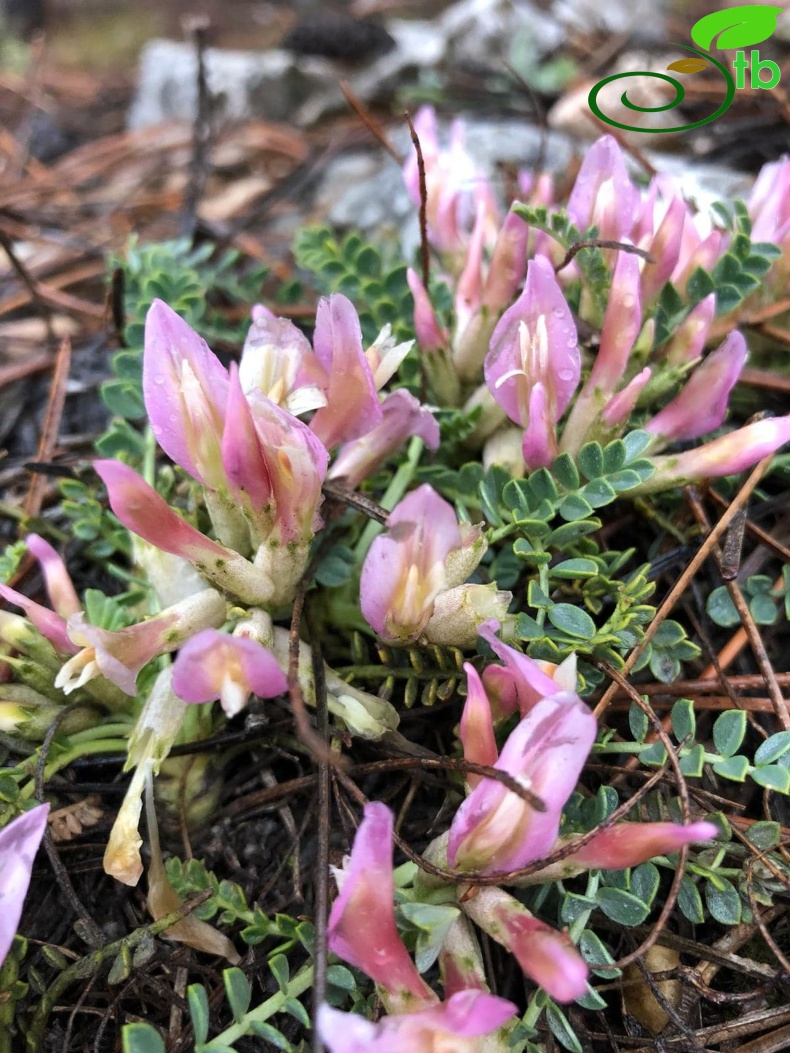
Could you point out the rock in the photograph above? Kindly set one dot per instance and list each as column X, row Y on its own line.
column 269, row 84
column 419, row 45
column 338, row 35
column 480, row 33
column 641, row 20
column 275, row 85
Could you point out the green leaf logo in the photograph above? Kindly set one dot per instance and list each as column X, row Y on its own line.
column 737, row 27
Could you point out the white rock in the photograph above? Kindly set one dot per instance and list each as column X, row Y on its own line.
column 268, row 84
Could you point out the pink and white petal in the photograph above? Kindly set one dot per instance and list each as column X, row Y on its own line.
column 701, row 405
column 352, row 400
column 629, row 844
column 620, row 406
column 477, row 726
column 172, row 351
column 242, row 458
column 60, row 588
column 539, row 445
column 19, row 842
column 50, row 625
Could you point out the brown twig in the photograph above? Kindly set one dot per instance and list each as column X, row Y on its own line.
column 601, row 243
column 425, row 255
column 373, row 126
column 681, row 584
column 90, row 930
column 357, row 501
column 747, row 621
column 50, row 428
column 29, row 283
column 201, row 132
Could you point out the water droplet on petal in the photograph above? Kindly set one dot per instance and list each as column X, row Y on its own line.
column 566, row 374
column 559, row 312
column 160, row 378
column 572, row 342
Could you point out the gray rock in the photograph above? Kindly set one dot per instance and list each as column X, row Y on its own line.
column 482, row 32
column 269, row 84
column 643, row 20
column 419, row 45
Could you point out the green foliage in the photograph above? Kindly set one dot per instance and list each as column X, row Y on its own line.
column 769, row 766
column 407, row 675
column 180, row 275
column 374, row 283
column 546, row 522
column 596, row 277
column 90, row 521
column 762, row 599
column 736, row 274
column 11, row 559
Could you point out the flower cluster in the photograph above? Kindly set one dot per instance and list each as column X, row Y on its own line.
column 548, row 352
column 536, row 375
column 496, row 831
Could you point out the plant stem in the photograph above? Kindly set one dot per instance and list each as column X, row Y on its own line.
column 394, row 492
column 298, row 985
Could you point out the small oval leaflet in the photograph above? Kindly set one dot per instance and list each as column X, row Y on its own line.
column 688, row 65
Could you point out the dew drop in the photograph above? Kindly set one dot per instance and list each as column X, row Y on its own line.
column 572, row 342
column 566, row 374
column 160, row 378
column 559, row 312
column 172, row 418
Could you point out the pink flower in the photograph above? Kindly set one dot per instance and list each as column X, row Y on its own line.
column 186, row 389
column 213, row 665
column 620, row 406
column 546, row 956
column 495, row 829
column 664, row 247
column 621, row 325
column 275, row 466
column 141, row 510
column 431, row 334
column 603, row 194
column 424, row 552
column 687, row 342
column 362, row 927
column 19, row 842
column 458, row 1025
column 629, row 844
column 769, row 208
column 702, row 402
column 726, row 455
column 535, row 346
column 521, row 682
column 119, row 655
column 477, row 726
column 402, row 417
column 278, row 361
column 481, row 302
column 352, row 407
column 60, row 589
column 454, row 187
